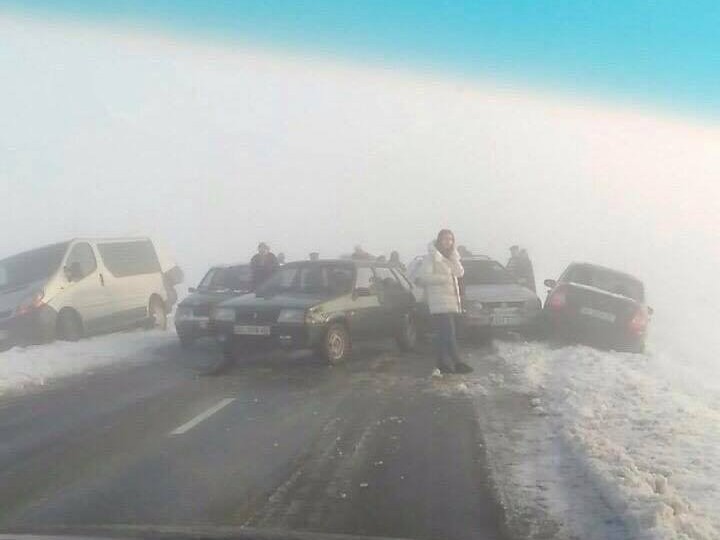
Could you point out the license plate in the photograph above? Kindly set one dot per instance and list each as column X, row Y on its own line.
column 242, row 330
column 597, row 314
column 504, row 320
column 4, row 335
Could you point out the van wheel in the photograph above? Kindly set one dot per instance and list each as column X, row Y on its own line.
column 335, row 346
column 157, row 314
column 69, row 326
column 407, row 335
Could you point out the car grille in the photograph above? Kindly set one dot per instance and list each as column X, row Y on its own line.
column 257, row 317
column 201, row 311
column 495, row 305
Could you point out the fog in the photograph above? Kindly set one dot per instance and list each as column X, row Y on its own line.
column 211, row 148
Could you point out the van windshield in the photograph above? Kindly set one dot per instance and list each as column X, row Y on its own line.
column 30, row 266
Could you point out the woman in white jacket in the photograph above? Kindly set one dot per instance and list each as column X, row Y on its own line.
column 439, row 274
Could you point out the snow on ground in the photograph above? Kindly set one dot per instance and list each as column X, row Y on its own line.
column 603, row 444
column 29, row 367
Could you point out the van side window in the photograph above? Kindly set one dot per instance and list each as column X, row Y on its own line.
column 125, row 259
column 82, row 255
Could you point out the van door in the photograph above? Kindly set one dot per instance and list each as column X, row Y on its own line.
column 133, row 276
column 85, row 290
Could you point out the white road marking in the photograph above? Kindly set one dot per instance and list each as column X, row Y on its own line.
column 202, row 416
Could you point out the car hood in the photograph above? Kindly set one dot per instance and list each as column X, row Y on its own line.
column 297, row 301
column 205, row 298
column 499, row 293
column 10, row 299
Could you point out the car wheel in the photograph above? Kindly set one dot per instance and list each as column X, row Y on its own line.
column 408, row 334
column 69, row 326
column 157, row 314
column 335, row 347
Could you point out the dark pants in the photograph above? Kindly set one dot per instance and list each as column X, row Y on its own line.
column 445, row 341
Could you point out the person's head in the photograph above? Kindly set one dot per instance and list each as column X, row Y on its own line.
column 263, row 248
column 314, row 256
column 445, row 242
column 514, row 251
column 523, row 253
column 281, row 258
column 358, row 248
column 394, row 256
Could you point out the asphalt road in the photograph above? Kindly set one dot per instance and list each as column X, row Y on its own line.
column 368, row 448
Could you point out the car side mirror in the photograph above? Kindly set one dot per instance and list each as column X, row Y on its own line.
column 550, row 283
column 192, row 289
column 73, row 272
column 361, row 291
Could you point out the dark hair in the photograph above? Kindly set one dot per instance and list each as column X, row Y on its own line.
column 442, row 232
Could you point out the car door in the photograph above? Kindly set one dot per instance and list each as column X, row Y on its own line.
column 395, row 300
column 364, row 316
column 85, row 290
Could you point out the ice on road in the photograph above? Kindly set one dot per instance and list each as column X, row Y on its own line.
column 22, row 368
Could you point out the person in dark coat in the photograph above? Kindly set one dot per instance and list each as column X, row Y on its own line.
column 262, row 265
column 395, row 261
column 526, row 272
column 513, row 263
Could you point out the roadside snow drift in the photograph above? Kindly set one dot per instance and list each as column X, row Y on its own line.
column 28, row 367
column 624, row 426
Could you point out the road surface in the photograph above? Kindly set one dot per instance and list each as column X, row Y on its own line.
column 368, row 448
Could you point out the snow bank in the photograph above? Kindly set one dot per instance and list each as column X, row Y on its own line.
column 26, row 367
column 645, row 439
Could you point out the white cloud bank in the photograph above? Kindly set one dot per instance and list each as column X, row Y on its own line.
column 211, row 148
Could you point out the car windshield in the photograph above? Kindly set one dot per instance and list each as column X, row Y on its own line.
column 30, row 266
column 233, row 278
column 607, row 280
column 316, row 279
column 486, row 273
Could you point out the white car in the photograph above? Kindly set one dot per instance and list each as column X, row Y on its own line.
column 80, row 287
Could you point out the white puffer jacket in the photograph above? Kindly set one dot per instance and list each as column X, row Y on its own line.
column 439, row 276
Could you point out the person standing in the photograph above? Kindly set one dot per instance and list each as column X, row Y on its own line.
column 395, row 261
column 314, row 256
column 262, row 265
column 513, row 264
column 526, row 272
column 439, row 274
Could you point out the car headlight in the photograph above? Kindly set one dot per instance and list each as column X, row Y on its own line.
column 183, row 313
column 292, row 316
column 316, row 316
column 224, row 314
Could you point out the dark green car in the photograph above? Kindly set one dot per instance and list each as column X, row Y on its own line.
column 320, row 305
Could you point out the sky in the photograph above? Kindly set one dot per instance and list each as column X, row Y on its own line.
column 648, row 52
column 318, row 128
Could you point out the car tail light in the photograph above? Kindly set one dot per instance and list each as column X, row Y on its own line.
column 35, row 302
column 638, row 324
column 558, row 298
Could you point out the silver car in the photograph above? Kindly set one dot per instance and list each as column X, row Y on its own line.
column 493, row 300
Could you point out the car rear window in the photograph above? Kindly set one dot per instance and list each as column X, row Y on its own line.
column 606, row 280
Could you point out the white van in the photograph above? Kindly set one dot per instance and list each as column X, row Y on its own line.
column 81, row 287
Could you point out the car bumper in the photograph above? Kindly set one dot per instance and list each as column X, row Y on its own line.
column 569, row 327
column 193, row 328
column 282, row 336
column 35, row 327
column 498, row 322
